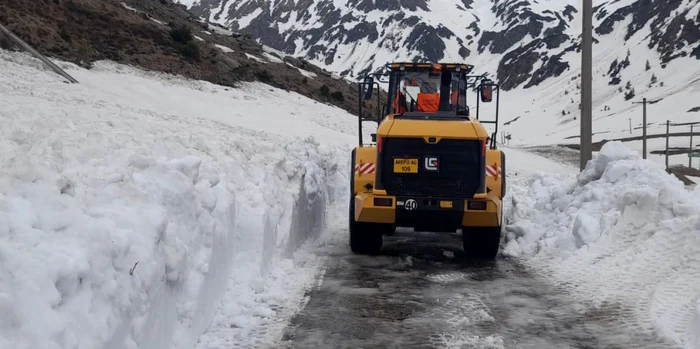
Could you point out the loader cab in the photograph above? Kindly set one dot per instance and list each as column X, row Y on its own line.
column 428, row 91
column 432, row 91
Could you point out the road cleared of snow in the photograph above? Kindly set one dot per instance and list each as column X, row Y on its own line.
column 421, row 292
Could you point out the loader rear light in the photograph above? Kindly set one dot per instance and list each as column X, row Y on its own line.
column 483, row 148
column 477, row 205
column 380, row 143
column 385, row 202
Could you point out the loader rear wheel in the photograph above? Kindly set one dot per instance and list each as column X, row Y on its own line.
column 365, row 238
column 481, row 242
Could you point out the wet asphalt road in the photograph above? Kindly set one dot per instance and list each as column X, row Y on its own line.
column 422, row 293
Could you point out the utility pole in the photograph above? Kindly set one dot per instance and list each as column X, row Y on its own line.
column 586, row 152
column 644, row 128
column 644, row 124
column 630, row 119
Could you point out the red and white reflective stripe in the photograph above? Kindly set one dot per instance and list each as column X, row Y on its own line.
column 493, row 171
column 365, row 168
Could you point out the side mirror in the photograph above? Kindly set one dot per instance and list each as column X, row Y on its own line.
column 369, row 87
column 486, row 91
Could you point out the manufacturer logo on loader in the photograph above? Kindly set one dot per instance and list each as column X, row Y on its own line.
column 411, row 205
column 432, row 163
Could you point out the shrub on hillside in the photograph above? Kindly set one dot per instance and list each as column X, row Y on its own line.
column 190, row 50
column 325, row 91
column 338, row 96
column 263, row 76
column 184, row 42
column 181, row 34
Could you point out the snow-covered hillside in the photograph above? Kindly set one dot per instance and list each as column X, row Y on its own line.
column 643, row 49
column 133, row 203
column 622, row 237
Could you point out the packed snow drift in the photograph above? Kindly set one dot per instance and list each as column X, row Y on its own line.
column 623, row 237
column 139, row 209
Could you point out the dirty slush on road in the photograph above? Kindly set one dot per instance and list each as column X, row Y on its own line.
column 422, row 293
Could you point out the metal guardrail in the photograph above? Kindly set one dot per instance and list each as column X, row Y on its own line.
column 36, row 54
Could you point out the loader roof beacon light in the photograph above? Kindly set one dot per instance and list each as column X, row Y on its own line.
column 428, row 166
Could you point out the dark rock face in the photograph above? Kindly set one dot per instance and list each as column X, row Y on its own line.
column 679, row 38
column 527, row 39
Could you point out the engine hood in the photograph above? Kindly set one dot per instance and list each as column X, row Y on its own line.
column 393, row 127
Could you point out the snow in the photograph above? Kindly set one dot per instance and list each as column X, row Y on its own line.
column 218, row 29
column 622, row 237
column 255, row 58
column 272, row 58
column 144, row 210
column 224, row 48
column 304, row 72
column 129, row 7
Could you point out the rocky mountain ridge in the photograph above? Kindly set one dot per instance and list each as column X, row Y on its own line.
column 522, row 42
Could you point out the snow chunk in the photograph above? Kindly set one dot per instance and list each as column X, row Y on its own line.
column 586, row 230
column 610, row 152
column 189, row 166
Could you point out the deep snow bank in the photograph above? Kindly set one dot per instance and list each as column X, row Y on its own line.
column 132, row 203
column 623, row 237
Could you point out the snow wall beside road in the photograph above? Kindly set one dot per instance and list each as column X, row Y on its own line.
column 139, row 209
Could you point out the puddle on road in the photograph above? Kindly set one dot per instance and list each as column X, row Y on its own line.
column 417, row 296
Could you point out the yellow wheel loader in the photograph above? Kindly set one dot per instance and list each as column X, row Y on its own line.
column 431, row 164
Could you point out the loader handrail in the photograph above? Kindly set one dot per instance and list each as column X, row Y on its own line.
column 369, row 83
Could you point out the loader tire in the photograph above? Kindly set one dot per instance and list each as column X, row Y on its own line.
column 481, row 242
column 365, row 238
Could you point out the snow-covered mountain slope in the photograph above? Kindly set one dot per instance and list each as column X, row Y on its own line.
column 644, row 48
column 522, row 40
column 128, row 212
